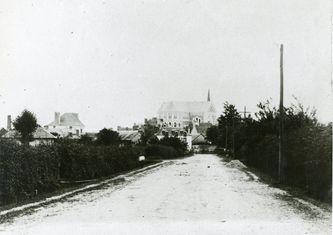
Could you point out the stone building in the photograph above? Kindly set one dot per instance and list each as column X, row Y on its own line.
column 180, row 114
column 66, row 125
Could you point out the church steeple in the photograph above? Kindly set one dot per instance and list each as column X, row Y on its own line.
column 208, row 97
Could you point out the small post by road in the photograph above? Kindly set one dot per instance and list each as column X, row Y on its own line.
column 281, row 111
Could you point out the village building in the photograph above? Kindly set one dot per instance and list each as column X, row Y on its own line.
column 66, row 125
column 3, row 131
column 187, row 120
column 130, row 136
column 178, row 115
column 40, row 136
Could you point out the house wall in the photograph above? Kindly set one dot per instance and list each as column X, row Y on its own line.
column 180, row 119
column 36, row 142
column 210, row 117
column 64, row 131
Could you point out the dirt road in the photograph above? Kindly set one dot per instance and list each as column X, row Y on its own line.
column 195, row 195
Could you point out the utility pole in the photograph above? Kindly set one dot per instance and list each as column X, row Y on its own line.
column 281, row 111
column 226, row 137
column 245, row 112
column 233, row 136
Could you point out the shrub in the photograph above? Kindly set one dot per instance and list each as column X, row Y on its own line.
column 166, row 148
column 26, row 171
column 161, row 152
column 80, row 162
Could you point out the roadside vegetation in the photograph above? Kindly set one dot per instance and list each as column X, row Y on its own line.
column 168, row 147
column 28, row 171
column 255, row 141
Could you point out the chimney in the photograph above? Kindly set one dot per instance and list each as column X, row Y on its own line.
column 9, row 122
column 57, row 118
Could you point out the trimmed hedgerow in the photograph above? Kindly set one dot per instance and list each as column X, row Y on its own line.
column 26, row 171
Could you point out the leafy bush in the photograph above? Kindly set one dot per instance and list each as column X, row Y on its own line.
column 161, row 152
column 166, row 148
column 108, row 137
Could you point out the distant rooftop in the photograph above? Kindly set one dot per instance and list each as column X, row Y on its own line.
column 40, row 133
column 187, row 106
column 67, row 119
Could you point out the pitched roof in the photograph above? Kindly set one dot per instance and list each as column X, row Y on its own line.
column 202, row 127
column 197, row 136
column 12, row 134
column 187, row 106
column 3, row 131
column 68, row 119
column 198, row 139
column 40, row 133
column 133, row 136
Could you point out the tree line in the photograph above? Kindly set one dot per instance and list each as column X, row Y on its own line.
column 255, row 141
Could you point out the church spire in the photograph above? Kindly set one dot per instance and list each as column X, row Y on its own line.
column 208, row 97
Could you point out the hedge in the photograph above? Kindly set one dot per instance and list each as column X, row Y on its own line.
column 26, row 171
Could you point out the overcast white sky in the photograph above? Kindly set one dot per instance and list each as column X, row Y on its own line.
column 115, row 61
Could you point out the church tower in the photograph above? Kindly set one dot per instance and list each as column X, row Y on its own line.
column 208, row 97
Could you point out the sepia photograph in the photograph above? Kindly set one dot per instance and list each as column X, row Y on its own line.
column 173, row 117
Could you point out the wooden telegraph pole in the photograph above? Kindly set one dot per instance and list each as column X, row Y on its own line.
column 245, row 112
column 281, row 111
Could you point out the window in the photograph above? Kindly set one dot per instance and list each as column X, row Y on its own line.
column 175, row 124
column 81, row 131
column 178, row 124
column 70, row 127
column 170, row 124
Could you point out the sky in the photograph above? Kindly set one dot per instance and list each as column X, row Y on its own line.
column 115, row 61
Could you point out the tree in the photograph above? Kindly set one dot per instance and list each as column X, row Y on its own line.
column 212, row 134
column 148, row 133
column 228, row 124
column 175, row 143
column 26, row 124
column 108, row 137
column 86, row 139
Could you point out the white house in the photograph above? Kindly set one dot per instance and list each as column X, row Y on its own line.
column 66, row 125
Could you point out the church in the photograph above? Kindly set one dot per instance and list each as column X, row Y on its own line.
column 178, row 115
